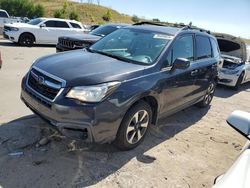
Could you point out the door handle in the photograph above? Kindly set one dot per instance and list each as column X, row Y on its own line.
column 194, row 72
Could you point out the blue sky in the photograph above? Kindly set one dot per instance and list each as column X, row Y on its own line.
column 228, row 16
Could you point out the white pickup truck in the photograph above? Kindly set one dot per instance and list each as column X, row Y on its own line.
column 5, row 18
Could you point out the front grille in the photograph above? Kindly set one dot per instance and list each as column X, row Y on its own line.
column 66, row 43
column 43, row 84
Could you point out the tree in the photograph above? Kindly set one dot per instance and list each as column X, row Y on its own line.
column 22, row 8
column 135, row 19
column 74, row 15
column 59, row 14
column 108, row 16
column 156, row 20
column 39, row 11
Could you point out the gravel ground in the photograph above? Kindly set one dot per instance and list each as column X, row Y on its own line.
column 188, row 149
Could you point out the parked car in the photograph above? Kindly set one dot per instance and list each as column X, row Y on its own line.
column 236, row 65
column 239, row 173
column 1, row 62
column 80, row 41
column 5, row 18
column 41, row 31
column 114, row 90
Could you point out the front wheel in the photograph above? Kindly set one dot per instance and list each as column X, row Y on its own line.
column 134, row 126
column 208, row 96
column 239, row 81
column 26, row 39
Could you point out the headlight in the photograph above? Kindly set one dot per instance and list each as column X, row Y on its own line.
column 92, row 93
column 230, row 71
column 14, row 29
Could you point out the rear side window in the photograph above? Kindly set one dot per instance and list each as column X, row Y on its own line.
column 3, row 14
column 203, row 47
column 215, row 48
column 75, row 25
column 62, row 24
column 50, row 24
column 59, row 24
column 182, row 48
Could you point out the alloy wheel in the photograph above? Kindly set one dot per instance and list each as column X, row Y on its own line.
column 210, row 93
column 137, row 126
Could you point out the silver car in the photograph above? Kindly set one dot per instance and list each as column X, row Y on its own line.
column 238, row 176
column 235, row 69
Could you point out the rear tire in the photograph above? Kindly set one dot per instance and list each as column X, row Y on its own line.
column 208, row 96
column 134, row 126
column 26, row 39
column 239, row 81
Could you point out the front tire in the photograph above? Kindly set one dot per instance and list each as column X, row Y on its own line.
column 26, row 39
column 208, row 96
column 134, row 126
column 239, row 81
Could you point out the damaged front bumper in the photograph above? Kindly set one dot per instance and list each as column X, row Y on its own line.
column 89, row 122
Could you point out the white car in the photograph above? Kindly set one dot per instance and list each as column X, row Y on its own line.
column 5, row 18
column 238, row 176
column 41, row 31
column 236, row 61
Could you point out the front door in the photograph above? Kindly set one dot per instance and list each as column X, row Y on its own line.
column 178, row 85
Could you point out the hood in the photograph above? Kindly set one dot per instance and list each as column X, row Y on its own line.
column 21, row 25
column 232, row 46
column 81, row 37
column 80, row 67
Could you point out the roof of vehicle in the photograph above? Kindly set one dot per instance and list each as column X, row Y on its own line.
column 169, row 29
column 116, row 25
column 58, row 19
column 160, row 29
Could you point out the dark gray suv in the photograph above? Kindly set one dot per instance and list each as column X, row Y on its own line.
column 114, row 90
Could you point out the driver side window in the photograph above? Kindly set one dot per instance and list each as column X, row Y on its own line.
column 182, row 48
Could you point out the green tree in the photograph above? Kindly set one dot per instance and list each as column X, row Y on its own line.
column 59, row 14
column 22, row 8
column 108, row 16
column 135, row 19
column 74, row 15
column 39, row 11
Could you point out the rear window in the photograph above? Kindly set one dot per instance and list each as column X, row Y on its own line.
column 215, row 48
column 103, row 30
column 75, row 25
column 203, row 47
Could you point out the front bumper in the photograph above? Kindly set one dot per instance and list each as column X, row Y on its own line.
column 60, row 48
column 10, row 36
column 90, row 122
column 228, row 79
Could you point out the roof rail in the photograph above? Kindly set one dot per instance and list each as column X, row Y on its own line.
column 195, row 28
column 150, row 23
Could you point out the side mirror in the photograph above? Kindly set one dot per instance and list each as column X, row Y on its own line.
column 240, row 121
column 42, row 25
column 181, row 63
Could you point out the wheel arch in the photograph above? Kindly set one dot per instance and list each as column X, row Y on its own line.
column 153, row 103
column 27, row 33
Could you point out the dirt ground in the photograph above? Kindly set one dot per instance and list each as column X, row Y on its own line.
column 188, row 149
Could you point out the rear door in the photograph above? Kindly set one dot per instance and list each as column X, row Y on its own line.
column 178, row 85
column 206, row 63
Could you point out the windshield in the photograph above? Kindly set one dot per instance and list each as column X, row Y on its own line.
column 35, row 21
column 132, row 45
column 103, row 30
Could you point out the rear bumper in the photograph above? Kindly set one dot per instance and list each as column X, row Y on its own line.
column 89, row 122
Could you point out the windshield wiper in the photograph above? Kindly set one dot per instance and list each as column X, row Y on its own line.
column 110, row 55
